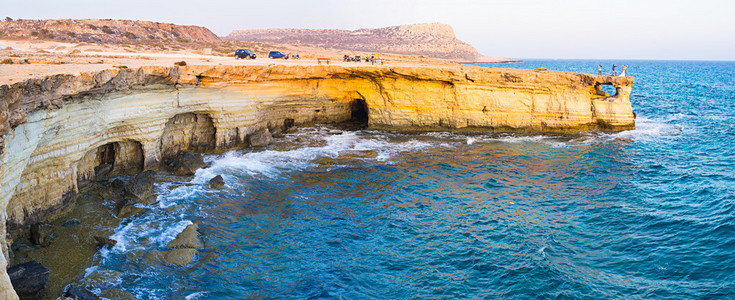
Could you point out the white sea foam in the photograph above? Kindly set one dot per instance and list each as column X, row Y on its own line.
column 169, row 233
column 196, row 295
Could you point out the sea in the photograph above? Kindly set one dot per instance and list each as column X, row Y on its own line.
column 328, row 212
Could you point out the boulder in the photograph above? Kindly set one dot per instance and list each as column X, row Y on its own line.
column 125, row 208
column 217, row 182
column 140, row 186
column 117, row 294
column 188, row 238
column 186, row 163
column 260, row 138
column 41, row 234
column 78, row 293
column 104, row 242
column 175, row 257
column 28, row 279
column 118, row 184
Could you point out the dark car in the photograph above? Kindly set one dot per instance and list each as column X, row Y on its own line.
column 277, row 54
column 244, row 53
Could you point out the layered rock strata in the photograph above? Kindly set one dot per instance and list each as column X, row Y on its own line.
column 59, row 132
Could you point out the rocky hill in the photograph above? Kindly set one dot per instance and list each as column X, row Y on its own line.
column 104, row 31
column 434, row 40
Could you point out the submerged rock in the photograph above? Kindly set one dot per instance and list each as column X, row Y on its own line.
column 217, row 182
column 189, row 238
column 117, row 294
column 28, row 279
column 260, row 138
column 78, row 293
column 358, row 154
column 186, row 163
column 104, row 242
column 71, row 223
column 102, row 278
column 41, row 234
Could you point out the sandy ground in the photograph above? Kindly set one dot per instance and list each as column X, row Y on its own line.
column 42, row 58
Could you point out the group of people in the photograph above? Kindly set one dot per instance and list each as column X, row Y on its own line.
column 614, row 71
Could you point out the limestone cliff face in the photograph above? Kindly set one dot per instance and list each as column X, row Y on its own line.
column 60, row 132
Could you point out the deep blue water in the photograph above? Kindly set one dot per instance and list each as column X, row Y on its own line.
column 647, row 213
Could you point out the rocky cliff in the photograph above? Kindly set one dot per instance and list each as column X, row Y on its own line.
column 56, row 132
column 87, row 30
column 434, row 40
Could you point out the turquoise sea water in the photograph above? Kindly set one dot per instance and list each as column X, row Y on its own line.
column 647, row 213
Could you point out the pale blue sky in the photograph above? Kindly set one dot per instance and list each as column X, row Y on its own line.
column 620, row 29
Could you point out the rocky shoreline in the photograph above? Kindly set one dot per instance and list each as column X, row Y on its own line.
column 61, row 134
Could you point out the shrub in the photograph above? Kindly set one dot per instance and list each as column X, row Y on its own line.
column 92, row 27
column 107, row 30
column 180, row 40
column 8, row 19
column 151, row 37
column 71, row 34
column 44, row 31
column 34, row 33
column 2, row 33
column 130, row 35
column 7, row 61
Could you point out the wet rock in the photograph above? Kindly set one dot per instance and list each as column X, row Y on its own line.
column 118, row 184
column 41, row 234
column 28, row 279
column 261, row 138
column 186, row 163
column 217, row 182
column 126, row 207
column 117, row 294
column 141, row 185
column 189, row 238
column 75, row 292
column 102, row 278
column 175, row 257
column 104, row 242
column 71, row 223
column 358, row 154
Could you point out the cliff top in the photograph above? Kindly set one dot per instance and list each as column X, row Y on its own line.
column 434, row 40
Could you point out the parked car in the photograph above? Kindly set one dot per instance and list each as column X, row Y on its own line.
column 277, row 54
column 244, row 53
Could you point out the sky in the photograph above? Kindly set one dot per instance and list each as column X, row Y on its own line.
column 563, row 29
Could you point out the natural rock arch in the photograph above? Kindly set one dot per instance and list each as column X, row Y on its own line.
column 606, row 90
column 188, row 132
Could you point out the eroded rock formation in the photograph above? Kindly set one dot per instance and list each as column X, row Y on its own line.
column 59, row 132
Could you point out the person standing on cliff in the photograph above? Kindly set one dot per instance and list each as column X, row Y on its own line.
column 625, row 70
column 614, row 72
column 599, row 70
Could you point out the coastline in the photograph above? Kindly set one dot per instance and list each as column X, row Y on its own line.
column 131, row 107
